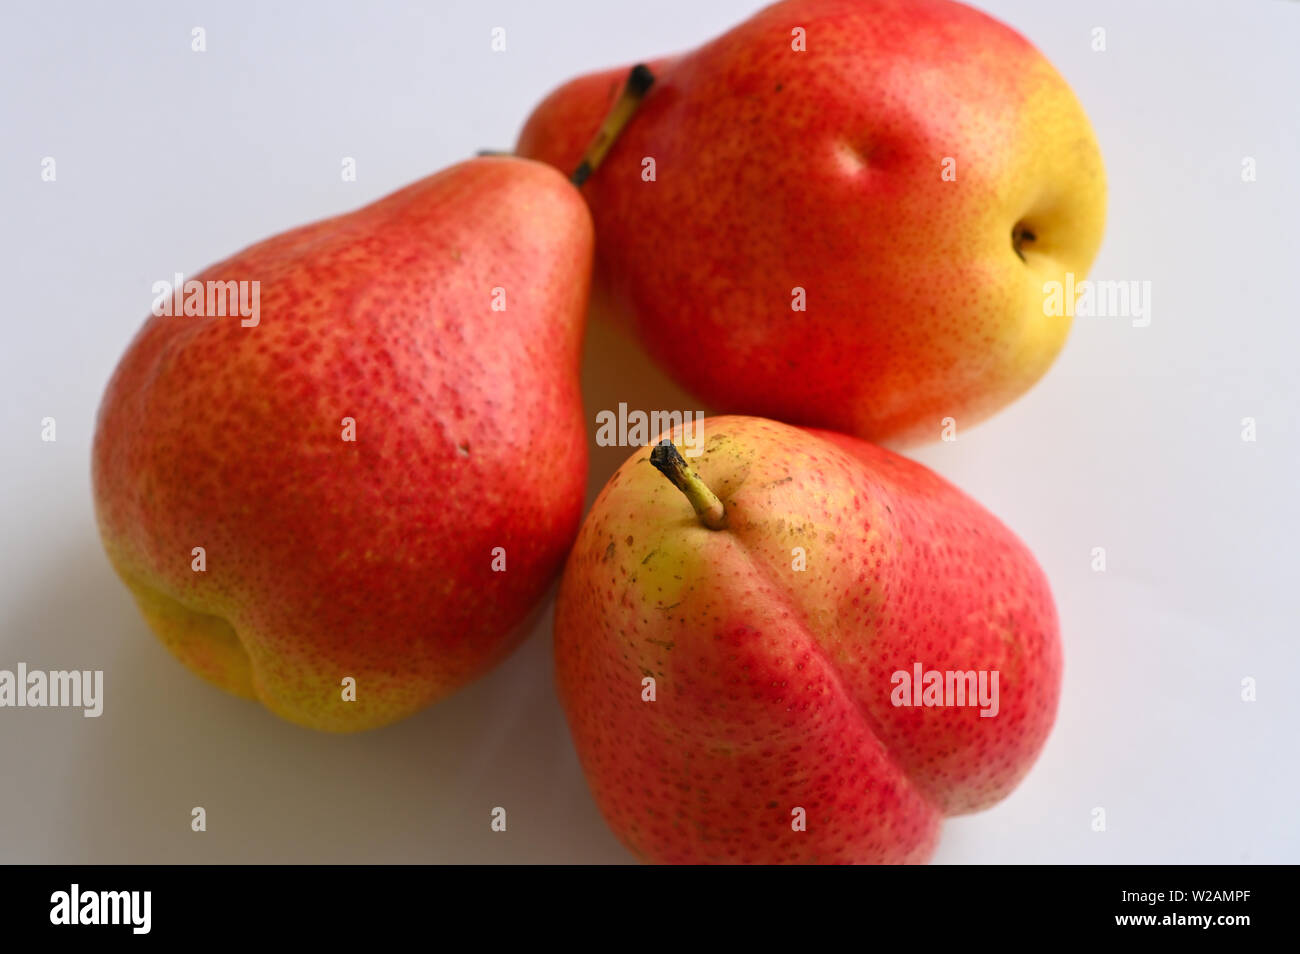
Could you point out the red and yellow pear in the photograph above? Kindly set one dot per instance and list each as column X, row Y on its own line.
column 799, row 647
column 335, row 507
column 855, row 206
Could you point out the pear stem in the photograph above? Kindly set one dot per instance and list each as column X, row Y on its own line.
column 639, row 81
column 668, row 461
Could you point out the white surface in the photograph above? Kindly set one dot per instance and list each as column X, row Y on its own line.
column 168, row 160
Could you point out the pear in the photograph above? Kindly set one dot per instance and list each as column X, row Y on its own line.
column 329, row 502
column 864, row 209
column 799, row 647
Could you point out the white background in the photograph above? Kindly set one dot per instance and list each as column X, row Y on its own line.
column 169, row 160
